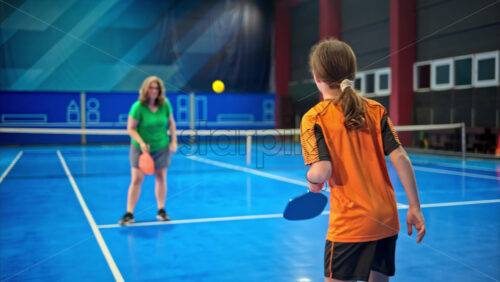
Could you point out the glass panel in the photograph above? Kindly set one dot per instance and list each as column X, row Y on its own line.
column 486, row 69
column 383, row 81
column 443, row 74
column 370, row 83
column 463, row 72
column 424, row 76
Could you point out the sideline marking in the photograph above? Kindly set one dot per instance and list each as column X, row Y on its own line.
column 279, row 215
column 11, row 166
column 444, row 171
column 249, row 170
column 102, row 244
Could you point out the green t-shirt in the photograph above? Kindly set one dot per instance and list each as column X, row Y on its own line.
column 152, row 127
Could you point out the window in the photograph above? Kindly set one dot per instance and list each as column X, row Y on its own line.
column 359, row 83
column 442, row 74
column 383, row 81
column 475, row 70
column 463, row 71
column 486, row 69
column 422, row 76
column 370, row 83
column 373, row 82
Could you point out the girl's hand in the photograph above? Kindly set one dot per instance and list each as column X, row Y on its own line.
column 315, row 188
column 415, row 218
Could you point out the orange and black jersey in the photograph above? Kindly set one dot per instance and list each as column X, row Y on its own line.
column 389, row 138
column 362, row 200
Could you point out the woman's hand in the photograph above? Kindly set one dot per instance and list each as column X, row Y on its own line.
column 173, row 147
column 144, row 147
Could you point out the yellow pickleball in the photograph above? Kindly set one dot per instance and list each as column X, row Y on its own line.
column 218, row 86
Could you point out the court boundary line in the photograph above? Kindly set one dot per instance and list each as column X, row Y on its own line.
column 279, row 215
column 249, row 170
column 462, row 203
column 451, row 172
column 195, row 220
column 95, row 229
column 450, row 165
column 304, row 184
column 14, row 161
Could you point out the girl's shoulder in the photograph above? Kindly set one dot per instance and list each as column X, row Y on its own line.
column 311, row 116
column 371, row 103
column 374, row 106
column 318, row 108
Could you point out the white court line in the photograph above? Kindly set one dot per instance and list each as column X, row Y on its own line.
column 402, row 206
column 11, row 166
column 249, row 170
column 300, row 183
column 279, row 215
column 272, row 176
column 444, row 171
column 448, row 165
column 104, row 248
column 465, row 203
column 196, row 220
column 304, row 184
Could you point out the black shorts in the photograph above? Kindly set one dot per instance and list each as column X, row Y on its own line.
column 353, row 261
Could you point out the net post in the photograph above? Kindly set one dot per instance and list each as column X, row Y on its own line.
column 83, row 116
column 462, row 127
column 249, row 149
column 191, row 115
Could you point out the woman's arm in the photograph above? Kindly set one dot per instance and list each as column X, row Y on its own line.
column 132, row 131
column 173, row 134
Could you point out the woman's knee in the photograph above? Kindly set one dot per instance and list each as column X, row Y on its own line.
column 137, row 181
column 137, row 177
column 161, row 174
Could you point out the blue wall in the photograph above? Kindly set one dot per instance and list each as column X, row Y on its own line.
column 110, row 111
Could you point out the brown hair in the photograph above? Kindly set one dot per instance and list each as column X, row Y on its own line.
column 143, row 92
column 332, row 61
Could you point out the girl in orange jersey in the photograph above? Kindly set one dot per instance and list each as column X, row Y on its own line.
column 345, row 139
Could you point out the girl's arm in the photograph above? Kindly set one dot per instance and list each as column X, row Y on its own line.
column 317, row 174
column 414, row 217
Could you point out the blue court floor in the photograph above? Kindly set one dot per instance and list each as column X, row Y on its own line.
column 59, row 208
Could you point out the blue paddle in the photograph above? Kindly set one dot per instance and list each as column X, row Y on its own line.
column 305, row 206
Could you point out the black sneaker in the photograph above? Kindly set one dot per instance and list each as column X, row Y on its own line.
column 127, row 219
column 162, row 215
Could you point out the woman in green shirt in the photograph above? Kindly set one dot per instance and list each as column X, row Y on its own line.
column 147, row 123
